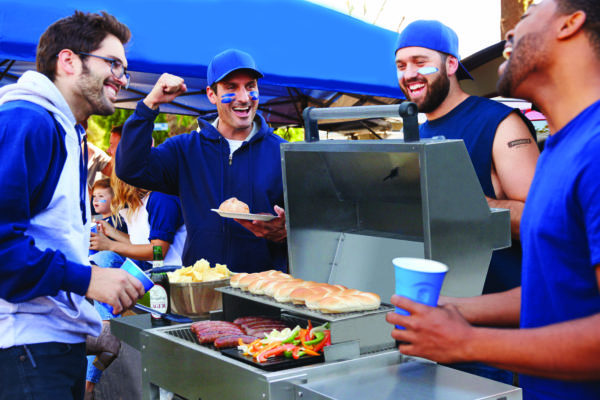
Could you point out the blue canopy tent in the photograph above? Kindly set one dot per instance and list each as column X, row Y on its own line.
column 310, row 55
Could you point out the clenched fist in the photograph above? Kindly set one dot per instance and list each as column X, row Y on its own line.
column 166, row 89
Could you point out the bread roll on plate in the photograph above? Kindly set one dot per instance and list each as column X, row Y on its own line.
column 233, row 205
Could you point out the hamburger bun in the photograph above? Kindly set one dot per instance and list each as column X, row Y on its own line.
column 234, row 205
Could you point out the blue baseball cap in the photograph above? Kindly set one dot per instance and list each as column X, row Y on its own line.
column 228, row 61
column 432, row 35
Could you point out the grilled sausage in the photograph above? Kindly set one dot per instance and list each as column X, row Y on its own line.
column 224, row 342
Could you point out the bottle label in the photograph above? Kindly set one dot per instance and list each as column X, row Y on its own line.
column 158, row 299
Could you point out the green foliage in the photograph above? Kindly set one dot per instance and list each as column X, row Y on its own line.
column 291, row 134
column 99, row 126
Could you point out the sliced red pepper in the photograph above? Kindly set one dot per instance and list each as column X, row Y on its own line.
column 325, row 342
column 262, row 357
column 308, row 329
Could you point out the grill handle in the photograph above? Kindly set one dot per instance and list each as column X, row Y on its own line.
column 407, row 110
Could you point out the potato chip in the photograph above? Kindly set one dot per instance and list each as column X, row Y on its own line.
column 200, row 272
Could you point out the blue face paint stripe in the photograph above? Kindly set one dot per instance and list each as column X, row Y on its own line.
column 254, row 95
column 427, row 70
column 227, row 98
column 422, row 71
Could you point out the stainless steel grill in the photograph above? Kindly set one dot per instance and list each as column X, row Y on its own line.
column 351, row 207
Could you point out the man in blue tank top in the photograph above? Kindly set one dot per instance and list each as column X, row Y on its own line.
column 502, row 148
column 554, row 61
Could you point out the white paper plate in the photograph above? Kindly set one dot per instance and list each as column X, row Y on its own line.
column 251, row 217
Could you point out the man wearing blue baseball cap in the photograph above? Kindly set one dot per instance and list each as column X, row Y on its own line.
column 549, row 325
column 233, row 153
column 501, row 144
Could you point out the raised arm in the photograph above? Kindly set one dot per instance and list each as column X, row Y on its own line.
column 137, row 163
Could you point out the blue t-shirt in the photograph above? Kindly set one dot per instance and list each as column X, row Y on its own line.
column 475, row 121
column 121, row 225
column 560, row 231
column 164, row 216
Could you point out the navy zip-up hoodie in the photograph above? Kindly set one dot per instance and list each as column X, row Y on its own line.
column 197, row 168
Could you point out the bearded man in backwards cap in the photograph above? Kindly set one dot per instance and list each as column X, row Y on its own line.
column 501, row 143
column 555, row 63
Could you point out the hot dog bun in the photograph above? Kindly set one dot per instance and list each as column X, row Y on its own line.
column 341, row 303
column 322, row 297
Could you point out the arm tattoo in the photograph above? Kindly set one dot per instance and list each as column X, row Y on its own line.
column 518, row 142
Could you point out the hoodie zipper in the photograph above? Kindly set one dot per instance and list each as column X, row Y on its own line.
column 230, row 158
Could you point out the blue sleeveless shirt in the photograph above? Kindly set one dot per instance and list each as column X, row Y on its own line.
column 475, row 121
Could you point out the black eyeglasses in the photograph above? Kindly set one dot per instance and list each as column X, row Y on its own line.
column 116, row 66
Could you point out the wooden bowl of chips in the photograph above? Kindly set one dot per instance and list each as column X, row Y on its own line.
column 193, row 291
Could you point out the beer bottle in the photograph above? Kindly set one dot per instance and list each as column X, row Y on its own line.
column 161, row 291
column 160, row 298
column 157, row 257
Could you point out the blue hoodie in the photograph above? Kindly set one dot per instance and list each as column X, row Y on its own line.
column 197, row 168
column 44, row 235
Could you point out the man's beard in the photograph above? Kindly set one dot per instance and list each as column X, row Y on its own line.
column 92, row 89
column 522, row 62
column 437, row 91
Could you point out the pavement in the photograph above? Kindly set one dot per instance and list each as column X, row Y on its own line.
column 122, row 380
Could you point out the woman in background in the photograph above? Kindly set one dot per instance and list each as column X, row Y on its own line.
column 153, row 219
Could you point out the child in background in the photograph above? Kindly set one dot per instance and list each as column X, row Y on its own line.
column 102, row 198
column 153, row 219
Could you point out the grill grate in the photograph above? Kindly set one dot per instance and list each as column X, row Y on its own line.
column 184, row 333
column 302, row 309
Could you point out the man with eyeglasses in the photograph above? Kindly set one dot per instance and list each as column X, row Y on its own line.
column 44, row 210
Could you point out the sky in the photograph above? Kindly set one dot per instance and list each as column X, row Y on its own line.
column 476, row 22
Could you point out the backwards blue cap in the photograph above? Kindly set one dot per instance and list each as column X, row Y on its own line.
column 433, row 35
column 228, row 61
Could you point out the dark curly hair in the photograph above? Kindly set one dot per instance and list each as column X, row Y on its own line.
column 81, row 32
column 591, row 8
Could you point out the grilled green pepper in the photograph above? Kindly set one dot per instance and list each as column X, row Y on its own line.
column 318, row 338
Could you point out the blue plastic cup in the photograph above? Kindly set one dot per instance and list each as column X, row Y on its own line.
column 137, row 272
column 418, row 279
